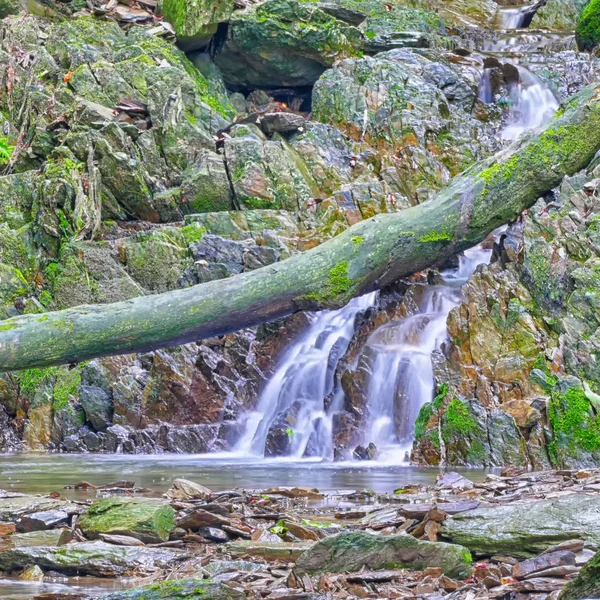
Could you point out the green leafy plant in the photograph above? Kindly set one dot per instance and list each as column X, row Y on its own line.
column 6, row 150
column 279, row 528
column 315, row 524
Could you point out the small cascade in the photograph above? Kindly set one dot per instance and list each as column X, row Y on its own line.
column 514, row 18
column 301, row 384
column 534, row 105
column 402, row 373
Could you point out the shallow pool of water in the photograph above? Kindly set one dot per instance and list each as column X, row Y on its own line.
column 89, row 587
column 43, row 473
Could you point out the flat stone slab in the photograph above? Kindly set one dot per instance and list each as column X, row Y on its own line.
column 353, row 551
column 13, row 508
column 526, row 529
column 272, row 550
column 91, row 558
column 184, row 589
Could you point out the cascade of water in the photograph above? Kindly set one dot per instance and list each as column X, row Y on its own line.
column 485, row 92
column 514, row 18
column 302, row 381
column 402, row 374
column 534, row 104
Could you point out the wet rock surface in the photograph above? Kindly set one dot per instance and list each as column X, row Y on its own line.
column 529, row 534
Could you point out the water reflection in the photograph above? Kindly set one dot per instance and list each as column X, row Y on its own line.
column 42, row 473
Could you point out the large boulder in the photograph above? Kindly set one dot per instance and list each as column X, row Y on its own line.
column 587, row 32
column 147, row 520
column 348, row 552
column 524, row 530
column 283, row 43
column 558, row 14
column 195, row 21
column 186, row 589
column 91, row 558
column 409, row 105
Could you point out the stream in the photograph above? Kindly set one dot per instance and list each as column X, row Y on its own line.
column 304, row 386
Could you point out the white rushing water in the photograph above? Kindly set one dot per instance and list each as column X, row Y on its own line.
column 534, row 104
column 402, row 375
column 399, row 354
column 305, row 377
column 513, row 18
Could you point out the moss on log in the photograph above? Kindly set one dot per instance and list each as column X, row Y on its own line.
column 489, row 194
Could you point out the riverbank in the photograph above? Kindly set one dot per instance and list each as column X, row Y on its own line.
column 516, row 535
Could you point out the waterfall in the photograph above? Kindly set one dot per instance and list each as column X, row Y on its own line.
column 301, row 388
column 401, row 353
column 534, row 105
column 516, row 18
column 302, row 382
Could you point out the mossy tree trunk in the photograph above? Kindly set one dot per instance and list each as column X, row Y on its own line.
column 367, row 257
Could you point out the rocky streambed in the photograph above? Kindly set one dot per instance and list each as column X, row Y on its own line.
column 526, row 535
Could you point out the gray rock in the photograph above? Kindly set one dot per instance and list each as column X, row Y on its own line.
column 116, row 436
column 98, row 407
column 342, row 13
column 40, row 521
column 524, row 530
column 186, row 589
column 281, row 121
column 15, row 508
column 213, row 534
column 347, row 552
column 182, row 489
column 454, row 481
column 543, row 562
column 91, row 558
column 201, row 518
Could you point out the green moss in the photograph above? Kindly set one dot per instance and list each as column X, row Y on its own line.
column 442, row 392
column 426, row 413
column 457, row 420
column 358, row 240
column 435, row 236
column 193, row 233
column 576, row 428
column 423, row 419
column 587, row 32
column 147, row 520
column 6, row 149
column 338, row 286
column 66, row 384
column 30, row 380
column 541, row 363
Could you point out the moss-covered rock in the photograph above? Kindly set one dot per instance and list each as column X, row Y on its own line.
column 587, row 32
column 559, row 14
column 10, row 7
column 524, row 530
column 184, row 589
column 348, row 552
column 91, row 558
column 587, row 584
column 195, row 21
column 413, row 107
column 150, row 521
column 284, row 43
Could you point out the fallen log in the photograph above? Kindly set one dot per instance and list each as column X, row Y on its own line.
column 366, row 257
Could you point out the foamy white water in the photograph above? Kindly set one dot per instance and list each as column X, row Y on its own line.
column 403, row 378
column 534, row 104
column 305, row 377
